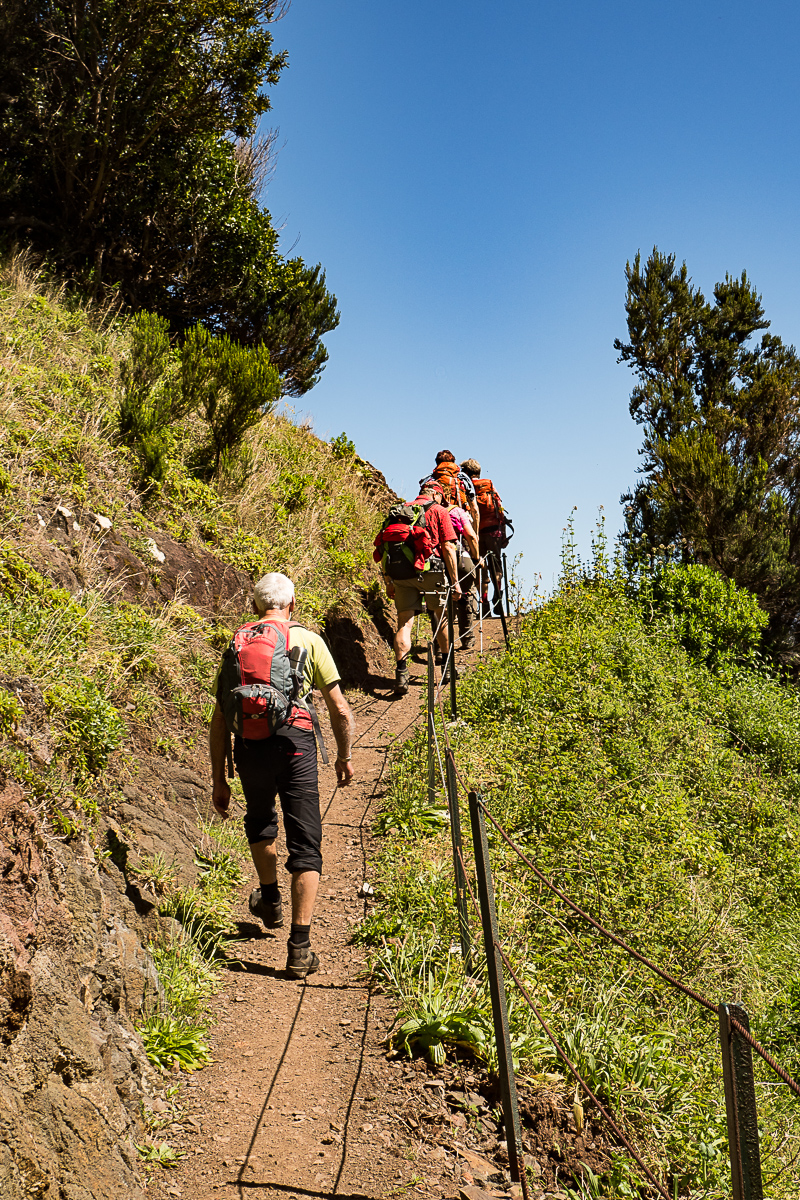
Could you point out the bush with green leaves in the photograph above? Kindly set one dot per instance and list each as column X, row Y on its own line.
column 342, row 446
column 91, row 728
column 152, row 399
column 232, row 387
column 229, row 386
column 716, row 621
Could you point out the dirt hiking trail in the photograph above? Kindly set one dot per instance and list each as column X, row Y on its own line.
column 301, row 1100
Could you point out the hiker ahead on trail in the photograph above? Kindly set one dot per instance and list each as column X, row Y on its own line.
column 416, row 549
column 493, row 535
column 455, row 483
column 263, row 691
column 469, row 561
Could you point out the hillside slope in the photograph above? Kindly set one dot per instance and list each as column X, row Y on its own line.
column 661, row 794
column 115, row 602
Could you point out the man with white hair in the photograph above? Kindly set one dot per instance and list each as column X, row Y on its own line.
column 279, row 761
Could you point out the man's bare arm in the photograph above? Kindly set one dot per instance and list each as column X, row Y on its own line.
column 472, row 507
column 451, row 562
column 343, row 726
column 219, row 741
column 472, row 540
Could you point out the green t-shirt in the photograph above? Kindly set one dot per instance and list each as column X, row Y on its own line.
column 320, row 668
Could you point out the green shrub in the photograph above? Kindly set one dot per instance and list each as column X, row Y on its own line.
column 715, row 620
column 91, row 728
column 11, row 711
column 342, row 446
column 151, row 399
column 232, row 387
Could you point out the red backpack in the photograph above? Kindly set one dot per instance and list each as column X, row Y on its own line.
column 446, row 475
column 403, row 546
column 261, row 681
column 490, row 508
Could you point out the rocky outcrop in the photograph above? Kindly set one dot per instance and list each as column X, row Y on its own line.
column 74, row 975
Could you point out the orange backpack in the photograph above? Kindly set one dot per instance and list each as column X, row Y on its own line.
column 447, row 476
column 490, row 508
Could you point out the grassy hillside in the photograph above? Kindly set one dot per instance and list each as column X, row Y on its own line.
column 661, row 795
column 116, row 599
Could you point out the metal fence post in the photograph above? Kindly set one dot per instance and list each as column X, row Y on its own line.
column 451, row 624
column 505, row 1062
column 740, row 1105
column 496, row 573
column 505, row 581
column 458, row 870
column 430, row 719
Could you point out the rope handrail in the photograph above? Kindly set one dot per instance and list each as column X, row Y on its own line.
column 561, row 1052
column 665, row 975
column 737, row 1071
column 753, row 1042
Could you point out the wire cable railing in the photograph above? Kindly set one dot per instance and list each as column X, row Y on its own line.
column 735, row 1037
column 605, row 1114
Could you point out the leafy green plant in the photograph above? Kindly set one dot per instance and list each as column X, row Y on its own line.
column 11, row 711
column 232, row 387
column 435, row 1009
column 219, row 869
column 156, row 872
column 411, row 816
column 170, row 1040
column 716, row 621
column 159, row 1155
column 151, row 399
column 342, row 446
column 91, row 728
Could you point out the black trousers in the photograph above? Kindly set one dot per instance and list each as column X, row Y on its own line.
column 283, row 767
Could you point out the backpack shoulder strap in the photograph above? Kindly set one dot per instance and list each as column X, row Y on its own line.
column 297, row 658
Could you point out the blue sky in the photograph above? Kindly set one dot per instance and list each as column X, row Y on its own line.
column 474, row 177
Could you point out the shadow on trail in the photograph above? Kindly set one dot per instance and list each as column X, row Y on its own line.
column 240, row 966
column 253, row 1185
column 294, row 1190
column 247, row 930
column 272, row 1083
column 352, row 1100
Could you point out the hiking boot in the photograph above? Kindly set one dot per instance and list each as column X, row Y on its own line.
column 301, row 961
column 467, row 641
column 401, row 680
column 270, row 914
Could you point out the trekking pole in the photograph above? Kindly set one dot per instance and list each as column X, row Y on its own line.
column 452, row 655
column 431, row 719
column 505, row 581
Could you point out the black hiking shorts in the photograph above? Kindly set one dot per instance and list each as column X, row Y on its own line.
column 284, row 767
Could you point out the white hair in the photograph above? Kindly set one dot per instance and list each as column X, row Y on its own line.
column 273, row 591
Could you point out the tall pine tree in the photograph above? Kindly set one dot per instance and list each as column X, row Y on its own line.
column 720, row 411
